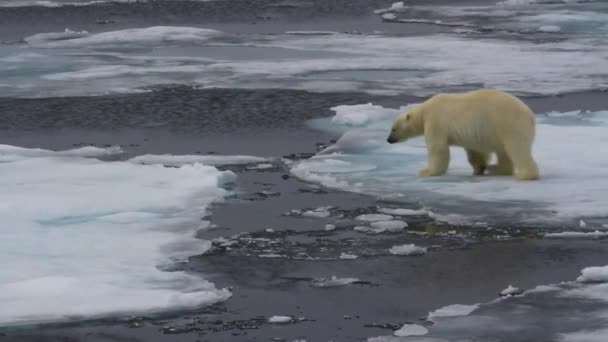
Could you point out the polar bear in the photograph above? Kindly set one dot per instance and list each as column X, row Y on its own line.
column 483, row 121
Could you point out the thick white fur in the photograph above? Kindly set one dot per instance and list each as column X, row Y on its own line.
column 483, row 122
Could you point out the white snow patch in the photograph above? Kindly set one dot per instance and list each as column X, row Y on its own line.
column 407, row 249
column 411, row 330
column 318, row 213
column 83, row 238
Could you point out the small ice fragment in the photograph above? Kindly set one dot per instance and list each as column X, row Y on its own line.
column 549, row 28
column 408, row 249
column 582, row 224
column 411, row 330
column 373, row 217
column 403, row 211
column 453, row 310
column 348, row 256
column 330, row 227
column 389, row 16
column 595, row 274
column 333, row 281
column 574, row 235
column 271, row 255
column 262, row 166
column 280, row 319
column 510, row 291
column 319, row 213
column 269, row 230
column 391, row 225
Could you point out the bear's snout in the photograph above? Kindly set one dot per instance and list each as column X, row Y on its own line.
column 391, row 140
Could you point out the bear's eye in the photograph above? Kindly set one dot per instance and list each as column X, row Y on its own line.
column 407, row 118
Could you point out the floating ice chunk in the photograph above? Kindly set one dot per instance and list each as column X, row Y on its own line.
column 453, row 310
column 510, row 290
column 262, row 166
column 373, row 217
column 598, row 335
column 280, row 319
column 363, row 114
column 389, row 16
column 389, row 225
column 396, row 6
column 333, row 281
column 86, row 238
column 577, row 235
column 149, row 35
column 270, row 255
column 14, row 153
column 319, row 213
column 407, row 249
column 330, row 227
column 411, row 330
column 593, row 274
column 173, row 160
column 53, row 36
column 375, row 230
column 403, row 212
column 311, row 33
column 348, row 256
column 582, row 224
column 543, row 289
column 549, row 28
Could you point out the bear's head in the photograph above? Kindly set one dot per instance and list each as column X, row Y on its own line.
column 407, row 125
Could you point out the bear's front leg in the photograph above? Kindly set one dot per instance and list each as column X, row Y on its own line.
column 438, row 158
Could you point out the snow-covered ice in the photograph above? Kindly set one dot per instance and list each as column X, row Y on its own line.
column 407, row 249
column 572, row 186
column 180, row 160
column 84, row 238
column 577, row 235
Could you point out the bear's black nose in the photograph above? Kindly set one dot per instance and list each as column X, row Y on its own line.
column 390, row 140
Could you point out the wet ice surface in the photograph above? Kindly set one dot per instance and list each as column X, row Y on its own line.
column 65, row 63
column 84, row 238
column 569, row 189
column 544, row 312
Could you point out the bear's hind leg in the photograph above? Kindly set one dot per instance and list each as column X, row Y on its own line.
column 503, row 167
column 524, row 166
column 439, row 159
column 478, row 160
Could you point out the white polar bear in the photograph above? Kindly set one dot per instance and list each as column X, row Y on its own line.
column 483, row 122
